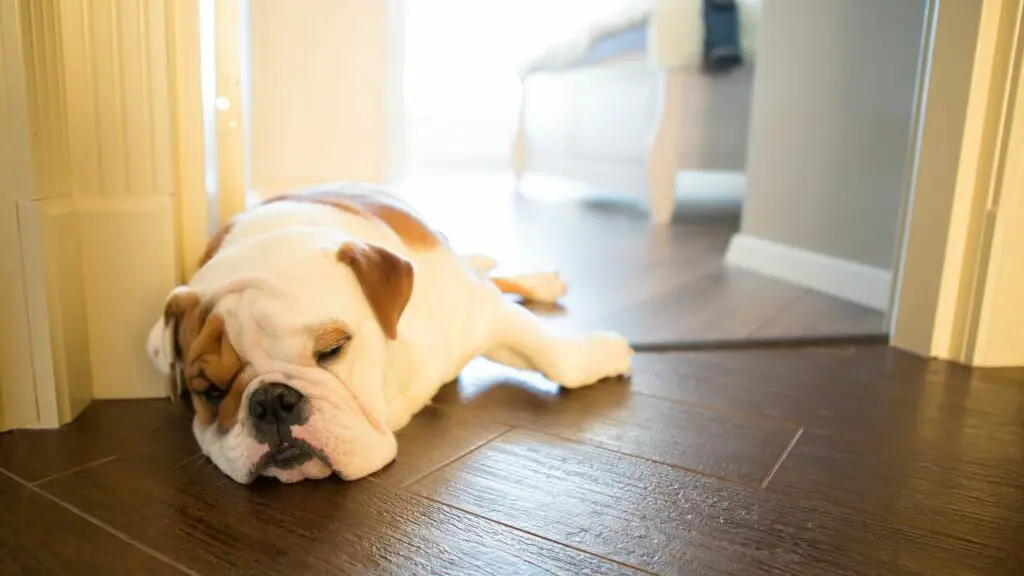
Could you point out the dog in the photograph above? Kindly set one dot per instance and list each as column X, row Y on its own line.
column 318, row 324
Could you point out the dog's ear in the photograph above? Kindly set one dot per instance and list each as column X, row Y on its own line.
column 386, row 279
column 182, row 323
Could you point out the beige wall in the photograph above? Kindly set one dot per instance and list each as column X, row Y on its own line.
column 830, row 125
column 319, row 93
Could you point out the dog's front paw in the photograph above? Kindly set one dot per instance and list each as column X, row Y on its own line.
column 603, row 355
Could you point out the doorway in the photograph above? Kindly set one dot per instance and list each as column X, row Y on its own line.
column 723, row 273
column 787, row 164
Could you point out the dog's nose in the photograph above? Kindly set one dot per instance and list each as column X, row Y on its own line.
column 275, row 403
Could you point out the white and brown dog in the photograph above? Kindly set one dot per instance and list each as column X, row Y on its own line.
column 320, row 323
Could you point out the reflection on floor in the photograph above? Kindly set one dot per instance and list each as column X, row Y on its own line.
column 650, row 284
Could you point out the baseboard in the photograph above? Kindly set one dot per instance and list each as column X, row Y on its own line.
column 128, row 267
column 845, row 279
column 710, row 192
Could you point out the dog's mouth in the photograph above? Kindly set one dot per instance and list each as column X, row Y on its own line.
column 289, row 455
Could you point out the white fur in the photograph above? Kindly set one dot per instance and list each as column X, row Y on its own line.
column 276, row 272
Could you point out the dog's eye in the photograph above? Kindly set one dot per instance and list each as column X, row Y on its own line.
column 213, row 394
column 332, row 353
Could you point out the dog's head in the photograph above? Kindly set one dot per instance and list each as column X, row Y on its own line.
column 285, row 368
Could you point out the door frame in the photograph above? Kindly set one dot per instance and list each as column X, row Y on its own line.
column 17, row 374
column 58, row 231
column 964, row 124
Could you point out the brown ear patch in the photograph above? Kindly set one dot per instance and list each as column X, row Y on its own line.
column 184, row 317
column 413, row 231
column 386, row 279
column 213, row 364
column 204, row 358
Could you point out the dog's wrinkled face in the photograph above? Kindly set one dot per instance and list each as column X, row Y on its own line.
column 285, row 372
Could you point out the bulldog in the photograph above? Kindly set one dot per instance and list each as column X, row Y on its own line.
column 320, row 323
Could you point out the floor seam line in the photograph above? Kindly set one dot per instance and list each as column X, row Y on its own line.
column 75, row 469
column 755, row 344
column 104, row 526
column 439, row 467
column 757, row 416
column 514, row 427
column 695, row 472
column 782, row 458
column 527, row 532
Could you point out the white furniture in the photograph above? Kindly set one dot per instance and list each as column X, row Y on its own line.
column 625, row 107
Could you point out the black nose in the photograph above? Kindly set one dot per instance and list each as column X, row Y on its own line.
column 276, row 403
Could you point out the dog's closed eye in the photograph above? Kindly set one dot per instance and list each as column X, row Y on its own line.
column 212, row 393
column 330, row 340
column 333, row 352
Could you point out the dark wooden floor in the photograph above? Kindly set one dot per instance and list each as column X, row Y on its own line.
column 848, row 460
column 650, row 284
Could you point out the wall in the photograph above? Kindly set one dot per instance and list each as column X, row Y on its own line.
column 319, row 93
column 830, row 125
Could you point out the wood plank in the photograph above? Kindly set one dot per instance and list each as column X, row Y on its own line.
column 39, row 536
column 721, row 304
column 949, row 460
column 104, row 429
column 734, row 447
column 668, row 521
column 433, row 439
column 192, row 513
column 814, row 313
column 860, row 391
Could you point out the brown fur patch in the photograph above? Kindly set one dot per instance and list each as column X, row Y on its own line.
column 207, row 359
column 215, row 243
column 413, row 231
column 386, row 279
column 328, row 336
column 512, row 287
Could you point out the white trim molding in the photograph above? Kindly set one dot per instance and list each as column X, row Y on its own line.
column 93, row 176
column 845, row 279
column 961, row 191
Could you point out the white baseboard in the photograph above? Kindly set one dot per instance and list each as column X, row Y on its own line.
column 845, row 279
column 722, row 186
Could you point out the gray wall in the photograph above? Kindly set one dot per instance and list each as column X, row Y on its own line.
column 830, row 125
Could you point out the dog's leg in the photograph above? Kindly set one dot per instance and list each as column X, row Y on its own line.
column 539, row 287
column 522, row 340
